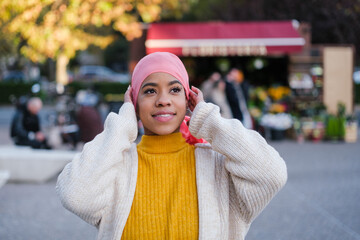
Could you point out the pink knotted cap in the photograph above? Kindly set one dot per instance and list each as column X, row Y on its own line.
column 158, row 62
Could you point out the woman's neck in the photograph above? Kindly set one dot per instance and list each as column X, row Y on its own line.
column 162, row 143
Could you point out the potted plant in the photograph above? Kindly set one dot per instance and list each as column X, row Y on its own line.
column 335, row 124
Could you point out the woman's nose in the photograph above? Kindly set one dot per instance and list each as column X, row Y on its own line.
column 163, row 100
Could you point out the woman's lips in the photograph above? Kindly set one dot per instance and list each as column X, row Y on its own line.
column 163, row 117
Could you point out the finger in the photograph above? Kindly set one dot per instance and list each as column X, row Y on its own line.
column 128, row 93
column 198, row 92
column 195, row 89
column 192, row 93
column 195, row 96
column 192, row 96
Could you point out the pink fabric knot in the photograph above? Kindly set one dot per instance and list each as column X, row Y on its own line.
column 184, row 129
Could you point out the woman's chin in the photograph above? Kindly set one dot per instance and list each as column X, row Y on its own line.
column 162, row 131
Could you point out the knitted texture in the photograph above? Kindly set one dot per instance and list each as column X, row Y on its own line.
column 165, row 202
column 237, row 174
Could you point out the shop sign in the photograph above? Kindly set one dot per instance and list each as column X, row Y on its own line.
column 203, row 51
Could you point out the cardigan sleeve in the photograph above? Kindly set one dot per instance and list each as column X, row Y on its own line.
column 85, row 184
column 256, row 169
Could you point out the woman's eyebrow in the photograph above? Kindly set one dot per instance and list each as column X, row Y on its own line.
column 174, row 82
column 155, row 84
column 149, row 84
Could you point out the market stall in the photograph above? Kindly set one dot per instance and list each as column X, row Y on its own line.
column 289, row 100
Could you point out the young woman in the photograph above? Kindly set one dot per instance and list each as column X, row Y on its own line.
column 204, row 179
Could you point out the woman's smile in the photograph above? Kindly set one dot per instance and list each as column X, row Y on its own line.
column 164, row 116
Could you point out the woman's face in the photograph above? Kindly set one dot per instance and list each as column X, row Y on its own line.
column 161, row 104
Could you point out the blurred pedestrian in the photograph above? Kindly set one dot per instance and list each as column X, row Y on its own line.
column 25, row 125
column 214, row 91
column 88, row 117
column 237, row 93
column 207, row 86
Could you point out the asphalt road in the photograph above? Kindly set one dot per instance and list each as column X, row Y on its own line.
column 320, row 201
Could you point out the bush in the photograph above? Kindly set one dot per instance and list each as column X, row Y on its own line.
column 8, row 89
column 110, row 88
column 103, row 88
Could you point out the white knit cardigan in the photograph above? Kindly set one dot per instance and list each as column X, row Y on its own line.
column 237, row 174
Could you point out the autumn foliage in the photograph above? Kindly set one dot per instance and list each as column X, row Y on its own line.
column 58, row 28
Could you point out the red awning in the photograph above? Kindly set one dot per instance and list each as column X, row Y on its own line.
column 224, row 39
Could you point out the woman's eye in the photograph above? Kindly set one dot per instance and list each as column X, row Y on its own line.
column 176, row 89
column 149, row 91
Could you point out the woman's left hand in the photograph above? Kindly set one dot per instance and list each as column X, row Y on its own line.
column 128, row 95
column 195, row 96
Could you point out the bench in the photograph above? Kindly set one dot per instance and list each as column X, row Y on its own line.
column 25, row 164
column 4, row 176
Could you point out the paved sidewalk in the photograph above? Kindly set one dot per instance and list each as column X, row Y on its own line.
column 320, row 201
column 321, row 198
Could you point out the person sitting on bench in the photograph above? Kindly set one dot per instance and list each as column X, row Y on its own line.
column 25, row 126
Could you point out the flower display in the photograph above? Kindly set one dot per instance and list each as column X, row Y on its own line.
column 258, row 97
column 280, row 121
column 277, row 108
column 279, row 92
column 255, row 112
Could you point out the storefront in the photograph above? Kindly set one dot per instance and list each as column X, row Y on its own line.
column 273, row 53
column 217, row 46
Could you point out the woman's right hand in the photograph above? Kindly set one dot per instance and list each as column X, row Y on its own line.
column 195, row 96
column 128, row 95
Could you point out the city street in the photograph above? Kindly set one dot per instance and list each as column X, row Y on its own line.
column 289, row 69
column 320, row 200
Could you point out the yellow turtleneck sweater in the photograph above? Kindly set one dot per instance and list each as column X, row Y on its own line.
column 165, row 204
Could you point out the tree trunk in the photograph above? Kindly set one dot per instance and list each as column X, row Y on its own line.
column 61, row 73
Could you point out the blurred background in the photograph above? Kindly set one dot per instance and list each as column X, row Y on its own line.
column 288, row 69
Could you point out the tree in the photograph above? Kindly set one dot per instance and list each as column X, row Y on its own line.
column 56, row 29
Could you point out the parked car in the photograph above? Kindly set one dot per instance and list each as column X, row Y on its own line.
column 100, row 73
column 14, row 76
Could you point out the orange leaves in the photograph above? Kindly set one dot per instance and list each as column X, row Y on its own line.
column 128, row 25
column 50, row 19
column 149, row 13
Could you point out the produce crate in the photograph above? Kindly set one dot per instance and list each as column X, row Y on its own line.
column 351, row 132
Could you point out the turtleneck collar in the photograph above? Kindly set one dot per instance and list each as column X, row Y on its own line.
column 162, row 143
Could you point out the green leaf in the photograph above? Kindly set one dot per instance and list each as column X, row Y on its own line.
column 105, row 6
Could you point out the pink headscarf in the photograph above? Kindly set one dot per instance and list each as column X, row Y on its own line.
column 158, row 62
column 168, row 63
